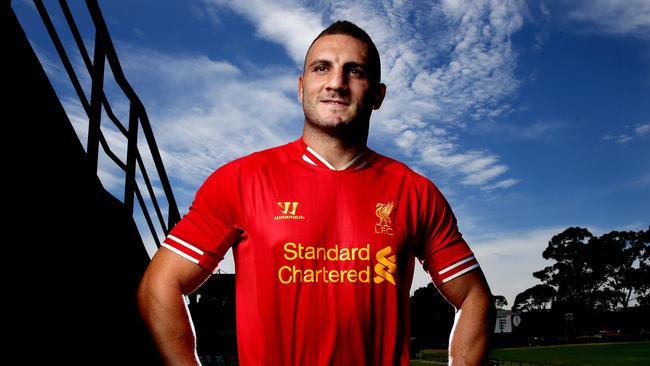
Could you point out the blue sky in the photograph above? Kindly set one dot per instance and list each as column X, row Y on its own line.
column 530, row 116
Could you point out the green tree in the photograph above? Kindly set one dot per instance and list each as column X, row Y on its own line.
column 622, row 256
column 431, row 318
column 538, row 297
column 641, row 277
column 592, row 272
column 577, row 274
column 500, row 302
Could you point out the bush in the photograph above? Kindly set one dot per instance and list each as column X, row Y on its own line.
column 434, row 355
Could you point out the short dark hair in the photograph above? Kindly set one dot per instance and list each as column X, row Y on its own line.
column 350, row 29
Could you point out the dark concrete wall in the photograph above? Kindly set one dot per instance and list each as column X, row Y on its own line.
column 74, row 256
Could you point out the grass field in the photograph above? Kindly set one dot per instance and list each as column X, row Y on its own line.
column 423, row 363
column 623, row 354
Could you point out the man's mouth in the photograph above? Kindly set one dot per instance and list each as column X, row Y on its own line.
column 335, row 102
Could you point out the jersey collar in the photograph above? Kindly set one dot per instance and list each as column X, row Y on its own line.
column 311, row 157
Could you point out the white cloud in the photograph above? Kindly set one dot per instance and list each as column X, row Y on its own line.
column 640, row 130
column 478, row 167
column 446, row 64
column 509, row 258
column 223, row 113
column 631, row 17
column 506, row 183
column 205, row 112
column 644, row 181
column 542, row 20
column 452, row 66
column 280, row 21
column 113, row 178
column 485, row 175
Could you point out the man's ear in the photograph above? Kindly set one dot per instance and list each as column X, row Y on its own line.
column 300, row 89
column 379, row 97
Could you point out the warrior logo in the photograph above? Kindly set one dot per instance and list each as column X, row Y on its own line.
column 288, row 207
column 288, row 210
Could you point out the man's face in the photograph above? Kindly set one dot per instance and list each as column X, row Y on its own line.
column 334, row 89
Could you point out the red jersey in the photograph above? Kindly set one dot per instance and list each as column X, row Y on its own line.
column 324, row 258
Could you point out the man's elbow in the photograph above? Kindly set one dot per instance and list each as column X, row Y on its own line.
column 481, row 303
column 144, row 293
column 151, row 292
column 485, row 302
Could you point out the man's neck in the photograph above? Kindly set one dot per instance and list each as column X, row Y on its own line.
column 337, row 151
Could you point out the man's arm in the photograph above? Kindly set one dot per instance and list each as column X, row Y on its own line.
column 470, row 295
column 160, row 299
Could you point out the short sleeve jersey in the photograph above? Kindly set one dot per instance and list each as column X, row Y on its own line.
column 324, row 258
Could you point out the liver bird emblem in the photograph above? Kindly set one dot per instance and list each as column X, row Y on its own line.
column 383, row 212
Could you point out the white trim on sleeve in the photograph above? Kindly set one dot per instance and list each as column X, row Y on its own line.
column 456, row 265
column 193, row 260
column 186, row 244
column 459, row 273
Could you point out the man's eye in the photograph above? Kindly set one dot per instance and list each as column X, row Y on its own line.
column 320, row 68
column 357, row 72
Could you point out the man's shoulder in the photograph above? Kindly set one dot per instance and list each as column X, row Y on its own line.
column 392, row 166
column 273, row 155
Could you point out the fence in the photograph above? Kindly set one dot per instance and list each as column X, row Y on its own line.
column 104, row 55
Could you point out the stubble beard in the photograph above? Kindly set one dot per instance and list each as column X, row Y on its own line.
column 352, row 128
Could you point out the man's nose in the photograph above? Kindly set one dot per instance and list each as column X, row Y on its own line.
column 337, row 79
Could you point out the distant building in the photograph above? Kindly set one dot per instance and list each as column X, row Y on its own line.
column 504, row 321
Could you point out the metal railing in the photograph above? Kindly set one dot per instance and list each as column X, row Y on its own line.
column 104, row 51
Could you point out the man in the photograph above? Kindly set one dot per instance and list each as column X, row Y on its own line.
column 324, row 233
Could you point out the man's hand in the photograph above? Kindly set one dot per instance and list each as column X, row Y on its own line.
column 161, row 303
column 474, row 322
